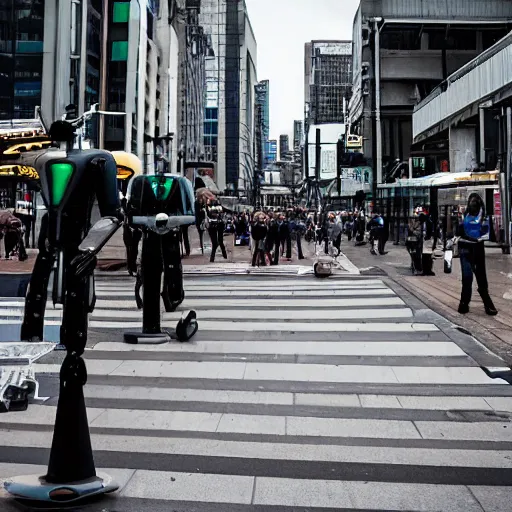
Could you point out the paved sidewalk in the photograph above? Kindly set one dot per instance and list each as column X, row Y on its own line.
column 442, row 292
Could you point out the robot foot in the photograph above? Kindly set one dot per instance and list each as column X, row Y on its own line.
column 172, row 305
column 187, row 326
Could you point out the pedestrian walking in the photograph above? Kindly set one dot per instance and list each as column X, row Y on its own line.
column 216, row 226
column 259, row 232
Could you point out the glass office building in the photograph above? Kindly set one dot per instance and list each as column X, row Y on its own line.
column 21, row 57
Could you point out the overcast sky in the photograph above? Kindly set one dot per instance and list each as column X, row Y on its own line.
column 281, row 28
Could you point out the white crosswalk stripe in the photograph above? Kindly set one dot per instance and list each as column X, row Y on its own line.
column 296, row 394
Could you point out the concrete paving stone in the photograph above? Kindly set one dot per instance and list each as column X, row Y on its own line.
column 198, row 487
column 327, row 400
column 180, row 369
column 363, row 495
column 319, row 373
column 157, row 420
column 500, row 403
column 302, row 493
column 380, row 401
column 493, row 499
column 442, row 375
column 188, row 395
column 445, row 403
column 495, row 431
column 337, row 427
column 252, row 424
column 412, row 497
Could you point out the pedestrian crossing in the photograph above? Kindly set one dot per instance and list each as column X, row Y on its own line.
column 296, row 394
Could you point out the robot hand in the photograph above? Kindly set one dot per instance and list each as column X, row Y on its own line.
column 99, row 235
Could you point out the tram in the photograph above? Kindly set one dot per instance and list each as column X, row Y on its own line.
column 444, row 196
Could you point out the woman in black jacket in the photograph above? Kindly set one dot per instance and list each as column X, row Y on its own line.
column 216, row 227
column 259, row 233
column 472, row 231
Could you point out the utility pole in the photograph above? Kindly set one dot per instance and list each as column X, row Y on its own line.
column 318, row 160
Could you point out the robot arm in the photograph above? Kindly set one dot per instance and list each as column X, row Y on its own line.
column 92, row 244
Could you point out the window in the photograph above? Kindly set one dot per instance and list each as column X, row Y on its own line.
column 121, row 12
column 400, row 40
column 119, row 50
column 454, row 39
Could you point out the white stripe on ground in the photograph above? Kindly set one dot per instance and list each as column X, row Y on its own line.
column 275, row 451
column 262, row 302
column 276, row 425
column 364, row 292
column 256, row 284
column 283, row 372
column 312, row 399
column 263, row 314
column 377, row 327
column 241, row 313
column 340, row 348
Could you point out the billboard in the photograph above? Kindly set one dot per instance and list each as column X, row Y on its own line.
column 329, row 136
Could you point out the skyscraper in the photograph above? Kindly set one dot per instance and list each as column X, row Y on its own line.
column 298, row 134
column 262, row 91
column 284, row 146
column 327, row 80
column 230, row 81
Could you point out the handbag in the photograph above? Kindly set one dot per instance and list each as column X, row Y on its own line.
column 455, row 246
column 448, row 260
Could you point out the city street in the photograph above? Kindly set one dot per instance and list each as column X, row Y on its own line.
column 296, row 394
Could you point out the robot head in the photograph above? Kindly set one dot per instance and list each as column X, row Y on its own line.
column 128, row 166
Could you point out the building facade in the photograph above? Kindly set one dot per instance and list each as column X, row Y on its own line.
column 327, row 80
column 402, row 51
column 230, row 94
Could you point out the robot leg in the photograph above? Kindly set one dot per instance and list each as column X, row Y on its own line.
column 173, row 294
column 71, row 456
column 32, row 328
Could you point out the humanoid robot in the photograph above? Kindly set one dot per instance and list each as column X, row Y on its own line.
column 158, row 205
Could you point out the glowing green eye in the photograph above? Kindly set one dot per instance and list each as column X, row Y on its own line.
column 61, row 174
column 161, row 188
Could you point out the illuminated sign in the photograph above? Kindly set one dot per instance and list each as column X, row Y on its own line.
column 19, row 170
column 27, row 146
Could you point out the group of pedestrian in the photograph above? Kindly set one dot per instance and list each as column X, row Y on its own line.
column 273, row 234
